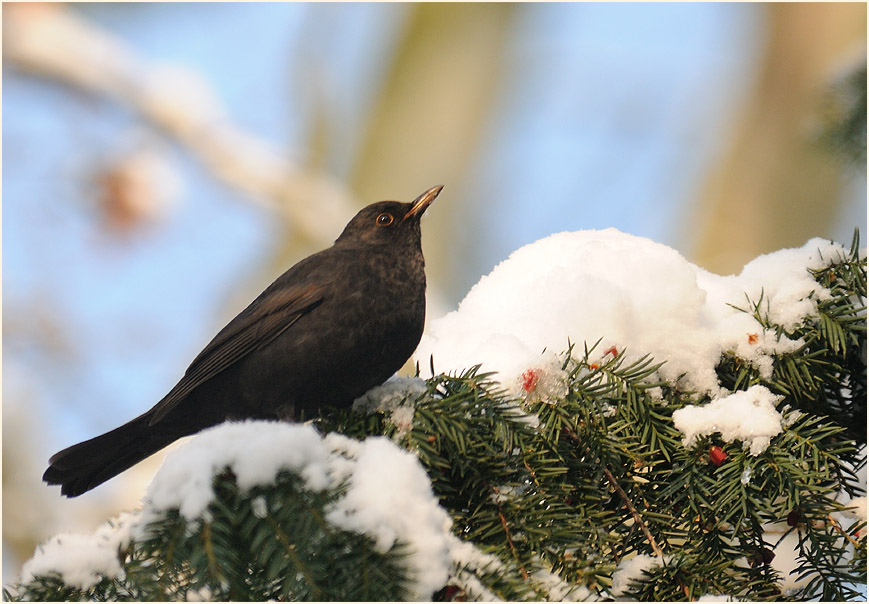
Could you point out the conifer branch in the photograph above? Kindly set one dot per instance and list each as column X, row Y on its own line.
column 542, row 499
column 624, row 497
column 294, row 557
column 842, row 531
column 208, row 546
column 636, row 515
column 510, row 542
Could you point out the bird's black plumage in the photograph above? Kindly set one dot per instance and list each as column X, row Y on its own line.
column 333, row 326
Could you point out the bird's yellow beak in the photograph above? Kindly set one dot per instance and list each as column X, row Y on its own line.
column 423, row 201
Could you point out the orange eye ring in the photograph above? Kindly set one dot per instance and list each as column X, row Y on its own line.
column 384, row 219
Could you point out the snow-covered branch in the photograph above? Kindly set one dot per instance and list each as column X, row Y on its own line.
column 729, row 463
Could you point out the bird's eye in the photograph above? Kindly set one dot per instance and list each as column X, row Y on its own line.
column 384, row 219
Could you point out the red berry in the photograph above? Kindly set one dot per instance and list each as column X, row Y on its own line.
column 453, row 594
column 794, row 518
column 529, row 380
column 717, row 455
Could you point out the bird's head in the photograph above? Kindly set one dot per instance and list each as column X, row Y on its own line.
column 388, row 222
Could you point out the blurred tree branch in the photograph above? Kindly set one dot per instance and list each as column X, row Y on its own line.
column 52, row 41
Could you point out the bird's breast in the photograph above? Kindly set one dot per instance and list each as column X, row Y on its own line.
column 389, row 283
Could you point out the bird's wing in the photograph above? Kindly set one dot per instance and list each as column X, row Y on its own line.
column 263, row 321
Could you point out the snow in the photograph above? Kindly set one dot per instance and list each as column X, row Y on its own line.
column 390, row 499
column 856, row 505
column 857, row 508
column 387, row 496
column 788, row 546
column 468, row 558
column 631, row 293
column 749, row 416
column 80, row 560
column 546, row 381
column 558, row 589
column 396, row 397
column 637, row 296
column 255, row 450
column 259, row 506
column 630, row 569
column 786, row 558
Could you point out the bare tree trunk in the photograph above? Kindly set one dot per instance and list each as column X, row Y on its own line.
column 429, row 117
column 774, row 187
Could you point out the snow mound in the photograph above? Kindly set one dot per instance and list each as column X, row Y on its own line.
column 82, row 561
column 255, row 451
column 749, row 416
column 631, row 293
column 390, row 498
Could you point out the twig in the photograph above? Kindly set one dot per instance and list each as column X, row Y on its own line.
column 510, row 543
column 208, row 545
column 844, row 533
column 293, row 555
column 634, row 512
column 53, row 41
column 612, row 480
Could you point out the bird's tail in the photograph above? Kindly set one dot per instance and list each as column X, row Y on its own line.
column 82, row 467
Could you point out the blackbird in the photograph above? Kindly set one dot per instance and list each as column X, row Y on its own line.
column 330, row 328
